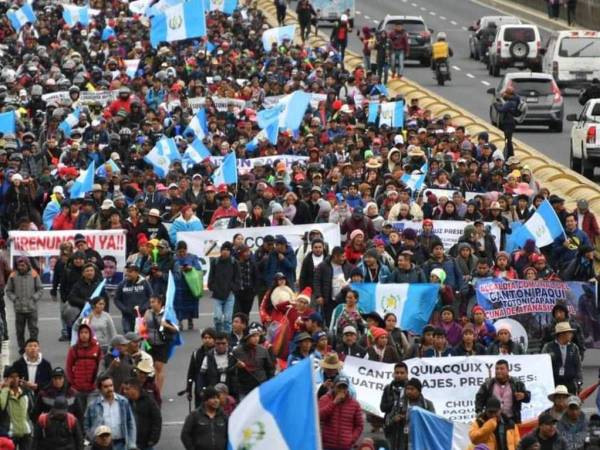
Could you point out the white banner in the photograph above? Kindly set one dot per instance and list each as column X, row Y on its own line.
column 104, row 97
column 208, row 243
column 47, row 243
column 221, row 103
column 451, row 383
column 449, row 231
column 244, row 165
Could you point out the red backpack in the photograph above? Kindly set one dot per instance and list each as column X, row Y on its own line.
column 43, row 422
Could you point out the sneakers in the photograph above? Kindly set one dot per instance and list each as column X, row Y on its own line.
column 64, row 338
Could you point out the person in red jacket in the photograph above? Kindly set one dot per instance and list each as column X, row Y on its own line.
column 225, row 209
column 341, row 417
column 399, row 49
column 67, row 218
column 83, row 362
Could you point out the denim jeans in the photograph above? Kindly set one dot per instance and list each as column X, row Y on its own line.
column 128, row 323
column 398, row 62
column 223, row 312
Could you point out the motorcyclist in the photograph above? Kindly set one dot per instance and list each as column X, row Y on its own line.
column 440, row 50
column 591, row 92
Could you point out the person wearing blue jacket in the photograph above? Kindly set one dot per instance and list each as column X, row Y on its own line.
column 186, row 221
column 133, row 291
column 373, row 270
column 440, row 260
column 156, row 95
column 282, row 259
column 508, row 109
column 566, row 247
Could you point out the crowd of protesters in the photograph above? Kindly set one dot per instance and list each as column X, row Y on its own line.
column 109, row 391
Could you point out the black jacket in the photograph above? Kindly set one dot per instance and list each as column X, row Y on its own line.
column 45, row 400
column 414, row 275
column 148, row 420
column 57, row 434
column 307, row 272
column 323, row 278
column 81, row 292
column 572, row 367
column 42, row 376
column 486, row 391
column 212, row 375
column 200, row 432
column 259, row 367
column 354, row 350
column 224, row 277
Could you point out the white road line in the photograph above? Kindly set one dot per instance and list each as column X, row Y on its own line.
column 423, row 8
column 414, row 5
column 432, row 13
column 442, row 17
column 453, row 22
column 465, row 28
column 367, row 17
column 456, row 68
column 485, row 83
column 470, row 75
column 375, row 21
column 358, row 12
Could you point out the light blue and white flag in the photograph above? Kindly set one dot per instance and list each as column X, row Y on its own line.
column 373, row 112
column 294, row 107
column 102, row 172
column 392, row 114
column 72, row 15
column 197, row 125
column 277, row 35
column 195, row 153
column 160, row 6
column 162, row 156
column 412, row 303
column 84, row 182
column 179, row 22
column 268, row 417
column 379, row 89
column 543, row 227
column 429, row 431
column 8, row 122
column 21, row 16
column 67, row 125
column 266, row 116
column 131, row 67
column 269, row 133
column 107, row 33
column 225, row 6
column 226, row 173
column 86, row 311
column 170, row 315
column 415, row 181
column 139, row 6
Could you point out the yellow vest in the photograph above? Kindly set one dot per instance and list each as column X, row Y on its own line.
column 439, row 50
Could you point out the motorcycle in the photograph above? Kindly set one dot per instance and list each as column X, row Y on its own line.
column 442, row 72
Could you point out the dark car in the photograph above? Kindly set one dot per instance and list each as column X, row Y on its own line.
column 418, row 33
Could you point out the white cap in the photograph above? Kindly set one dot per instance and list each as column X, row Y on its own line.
column 17, row 177
column 107, row 204
column 398, row 139
column 115, row 156
column 242, row 207
column 58, row 190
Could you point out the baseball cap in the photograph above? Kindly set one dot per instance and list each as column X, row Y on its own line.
column 547, row 419
column 349, row 329
column 102, row 429
column 342, row 380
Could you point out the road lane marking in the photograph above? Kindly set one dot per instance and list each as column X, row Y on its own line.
column 470, row 75
column 375, row 21
column 432, row 13
column 456, row 68
column 465, row 28
column 358, row 12
column 453, row 22
column 414, row 5
column 367, row 17
column 423, row 8
column 485, row 83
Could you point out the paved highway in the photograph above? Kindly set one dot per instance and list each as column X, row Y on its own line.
column 470, row 78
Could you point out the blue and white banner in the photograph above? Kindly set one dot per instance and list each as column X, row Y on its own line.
column 182, row 21
column 268, row 418
column 198, row 125
column 411, row 303
column 415, row 181
column 429, row 431
column 84, row 182
column 543, row 227
column 392, row 114
column 277, row 36
column 162, row 156
column 19, row 17
column 224, row 6
column 72, row 15
column 8, row 122
column 227, row 172
column 67, row 125
column 195, row 153
column 373, row 112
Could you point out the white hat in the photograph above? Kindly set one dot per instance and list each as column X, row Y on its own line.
column 242, row 207
column 154, row 213
column 398, row 139
column 349, row 329
column 17, row 177
column 558, row 390
column 107, row 204
column 115, row 156
column 58, row 190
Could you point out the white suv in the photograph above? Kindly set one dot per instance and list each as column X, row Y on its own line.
column 516, row 45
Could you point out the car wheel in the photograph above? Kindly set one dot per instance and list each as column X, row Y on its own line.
column 556, row 126
column 574, row 163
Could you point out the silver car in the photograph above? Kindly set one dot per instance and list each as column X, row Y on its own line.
column 545, row 103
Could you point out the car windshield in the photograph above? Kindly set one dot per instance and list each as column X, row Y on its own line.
column 411, row 26
column 519, row 34
column 528, row 86
column 579, row 47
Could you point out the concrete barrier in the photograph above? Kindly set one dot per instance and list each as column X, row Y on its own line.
column 549, row 173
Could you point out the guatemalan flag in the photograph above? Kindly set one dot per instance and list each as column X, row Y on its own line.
column 225, row 6
column 294, row 107
column 170, row 315
column 19, row 17
column 270, row 133
column 197, row 125
column 416, row 181
column 86, row 311
column 267, row 116
column 543, row 227
column 72, row 15
column 429, row 431
column 179, row 22
column 392, row 114
column 84, row 182
column 67, row 125
column 195, row 153
column 373, row 112
column 227, row 171
column 131, row 67
column 277, row 35
column 162, row 155
column 268, row 418
column 411, row 303
column 8, row 122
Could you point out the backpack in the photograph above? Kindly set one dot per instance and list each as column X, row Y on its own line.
column 43, row 422
column 521, row 110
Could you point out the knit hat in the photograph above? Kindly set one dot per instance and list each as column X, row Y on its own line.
column 409, row 234
column 305, row 295
column 372, row 253
column 440, row 274
column 528, row 441
column 476, row 309
column 414, row 382
column 356, row 233
column 377, row 332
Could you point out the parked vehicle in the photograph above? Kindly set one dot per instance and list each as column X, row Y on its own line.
column 585, row 138
column 418, row 32
column 516, row 46
column 480, row 39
